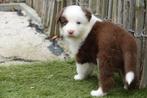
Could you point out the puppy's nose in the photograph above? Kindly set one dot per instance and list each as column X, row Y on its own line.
column 70, row 32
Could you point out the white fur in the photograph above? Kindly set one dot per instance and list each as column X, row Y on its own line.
column 129, row 77
column 98, row 92
column 125, row 87
column 83, row 70
column 73, row 14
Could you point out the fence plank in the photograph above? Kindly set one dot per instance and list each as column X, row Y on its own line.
column 132, row 14
column 93, row 5
column 114, row 11
column 144, row 73
column 110, row 5
column 120, row 12
column 125, row 14
column 52, row 17
column 104, row 8
column 98, row 8
column 139, row 24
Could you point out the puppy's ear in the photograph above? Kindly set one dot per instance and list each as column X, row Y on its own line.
column 59, row 15
column 88, row 13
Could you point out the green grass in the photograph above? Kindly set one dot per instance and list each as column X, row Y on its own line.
column 53, row 80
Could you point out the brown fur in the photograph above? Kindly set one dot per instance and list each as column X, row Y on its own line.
column 115, row 48
column 87, row 13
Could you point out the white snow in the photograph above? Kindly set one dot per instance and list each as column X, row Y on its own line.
column 19, row 40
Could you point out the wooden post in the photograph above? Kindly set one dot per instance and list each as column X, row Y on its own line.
column 51, row 10
column 69, row 2
column 114, row 11
column 44, row 15
column 139, row 23
column 93, row 5
column 104, row 8
column 126, row 14
column 120, row 12
column 84, row 3
column 143, row 82
column 131, row 14
column 53, row 22
column 98, row 10
column 110, row 9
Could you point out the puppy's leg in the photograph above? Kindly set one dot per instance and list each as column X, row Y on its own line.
column 106, row 81
column 83, row 70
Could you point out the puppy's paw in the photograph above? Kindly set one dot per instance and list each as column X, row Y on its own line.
column 98, row 92
column 78, row 77
column 125, row 87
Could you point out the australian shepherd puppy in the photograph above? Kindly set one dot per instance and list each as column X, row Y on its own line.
column 102, row 43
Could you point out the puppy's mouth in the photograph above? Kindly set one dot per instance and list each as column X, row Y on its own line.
column 71, row 36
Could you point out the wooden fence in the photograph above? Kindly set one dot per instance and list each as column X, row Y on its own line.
column 129, row 13
column 132, row 14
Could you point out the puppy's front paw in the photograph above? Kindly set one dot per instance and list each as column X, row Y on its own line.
column 78, row 77
column 125, row 87
column 98, row 92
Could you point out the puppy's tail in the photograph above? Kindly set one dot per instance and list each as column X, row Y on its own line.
column 130, row 76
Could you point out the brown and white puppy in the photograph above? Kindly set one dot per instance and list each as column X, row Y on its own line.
column 96, row 42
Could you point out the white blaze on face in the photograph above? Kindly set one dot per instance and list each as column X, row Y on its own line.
column 77, row 27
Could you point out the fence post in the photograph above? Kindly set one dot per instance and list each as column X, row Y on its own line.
column 143, row 82
column 98, row 8
column 114, row 11
column 120, row 12
column 139, row 14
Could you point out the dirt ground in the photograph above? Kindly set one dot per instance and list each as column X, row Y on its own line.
column 18, row 41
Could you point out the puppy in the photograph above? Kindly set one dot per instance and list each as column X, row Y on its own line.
column 96, row 42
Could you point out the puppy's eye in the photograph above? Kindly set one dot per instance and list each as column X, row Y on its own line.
column 64, row 22
column 78, row 22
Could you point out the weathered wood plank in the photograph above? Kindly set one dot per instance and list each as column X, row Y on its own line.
column 144, row 72
column 98, row 11
column 110, row 5
column 104, row 8
column 114, row 11
column 120, row 12
column 93, row 5
column 132, row 14
column 139, row 24
column 126, row 14
column 52, row 18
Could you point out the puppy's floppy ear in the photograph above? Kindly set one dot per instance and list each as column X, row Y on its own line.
column 88, row 13
column 59, row 15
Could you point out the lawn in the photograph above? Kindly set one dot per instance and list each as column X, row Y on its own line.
column 53, row 80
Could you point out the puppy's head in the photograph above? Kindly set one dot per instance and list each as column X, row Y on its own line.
column 74, row 21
